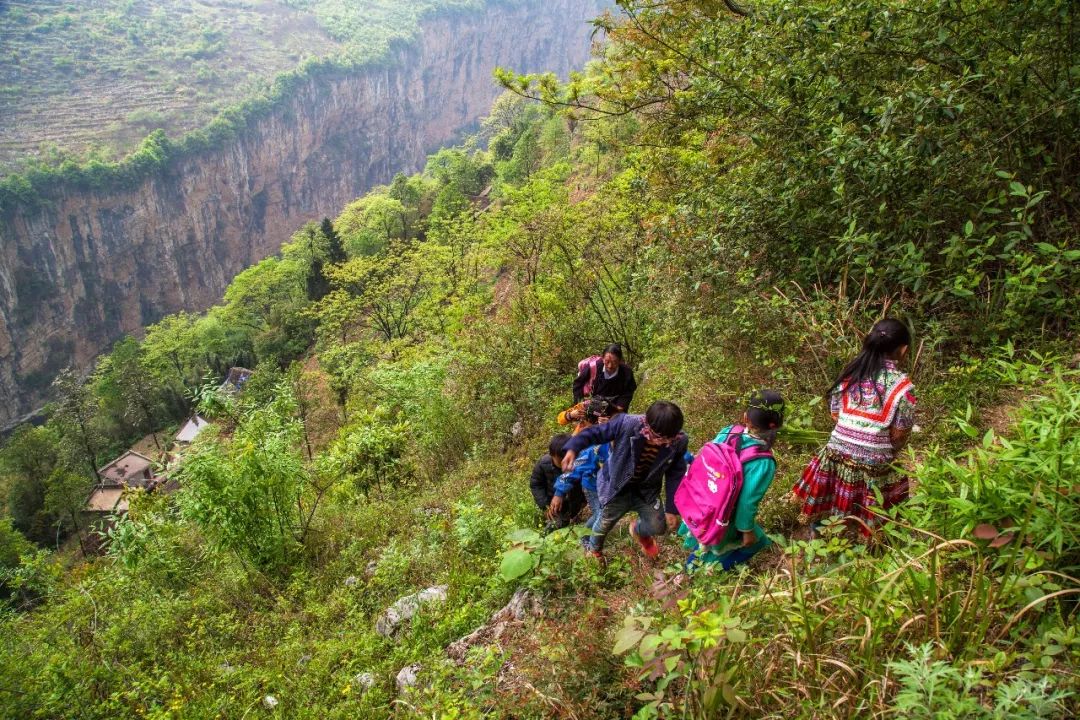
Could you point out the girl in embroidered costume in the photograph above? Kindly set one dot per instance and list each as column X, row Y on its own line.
column 873, row 403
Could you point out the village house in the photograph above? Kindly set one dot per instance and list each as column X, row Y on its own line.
column 130, row 470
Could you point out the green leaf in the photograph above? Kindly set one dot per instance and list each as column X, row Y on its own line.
column 1017, row 188
column 736, row 635
column 625, row 639
column 516, row 563
column 524, row 535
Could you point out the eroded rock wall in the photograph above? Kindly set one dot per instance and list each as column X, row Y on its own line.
column 87, row 268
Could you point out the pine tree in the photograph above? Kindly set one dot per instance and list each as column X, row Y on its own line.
column 335, row 250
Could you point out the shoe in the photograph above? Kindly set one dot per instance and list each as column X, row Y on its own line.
column 648, row 545
column 591, row 552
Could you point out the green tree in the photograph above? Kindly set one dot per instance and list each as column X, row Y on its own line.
column 335, row 249
column 27, row 460
column 75, row 414
column 65, row 497
column 122, row 378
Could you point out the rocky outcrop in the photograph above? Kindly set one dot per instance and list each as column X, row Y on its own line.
column 86, row 268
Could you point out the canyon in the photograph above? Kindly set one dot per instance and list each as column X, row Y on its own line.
column 85, row 267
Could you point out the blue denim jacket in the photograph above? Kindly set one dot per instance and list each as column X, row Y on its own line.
column 624, row 434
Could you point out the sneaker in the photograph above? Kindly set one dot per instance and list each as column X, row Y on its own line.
column 591, row 552
column 648, row 545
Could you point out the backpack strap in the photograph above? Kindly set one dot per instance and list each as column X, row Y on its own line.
column 752, row 451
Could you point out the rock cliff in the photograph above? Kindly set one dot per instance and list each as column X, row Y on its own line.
column 86, row 268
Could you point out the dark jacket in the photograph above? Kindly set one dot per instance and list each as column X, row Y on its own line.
column 542, row 485
column 620, row 388
column 624, row 434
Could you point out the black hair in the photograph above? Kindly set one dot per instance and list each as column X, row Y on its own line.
column 665, row 418
column 884, row 338
column 596, row 408
column 557, row 446
column 765, row 412
column 615, row 349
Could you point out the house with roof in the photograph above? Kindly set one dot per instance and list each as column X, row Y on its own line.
column 130, row 470
column 234, row 381
column 195, row 425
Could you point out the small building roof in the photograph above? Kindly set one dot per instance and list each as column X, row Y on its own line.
column 195, row 425
column 234, row 381
column 131, row 468
column 107, row 500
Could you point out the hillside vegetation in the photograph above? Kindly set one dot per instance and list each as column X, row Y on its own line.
column 90, row 79
column 735, row 199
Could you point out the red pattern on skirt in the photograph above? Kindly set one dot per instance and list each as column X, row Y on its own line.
column 835, row 484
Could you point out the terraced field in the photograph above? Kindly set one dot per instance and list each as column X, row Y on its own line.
column 91, row 78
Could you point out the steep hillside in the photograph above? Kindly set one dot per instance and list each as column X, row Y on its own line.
column 97, row 75
column 86, row 265
column 736, row 200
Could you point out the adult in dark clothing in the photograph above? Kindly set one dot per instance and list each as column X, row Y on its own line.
column 545, row 472
column 648, row 455
column 611, row 378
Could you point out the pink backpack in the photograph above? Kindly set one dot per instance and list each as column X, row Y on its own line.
column 707, row 494
column 593, row 364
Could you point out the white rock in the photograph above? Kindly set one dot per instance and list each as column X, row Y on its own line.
column 364, row 680
column 406, row 677
column 270, row 702
column 406, row 607
column 371, row 568
column 351, row 581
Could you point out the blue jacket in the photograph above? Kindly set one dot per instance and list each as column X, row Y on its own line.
column 624, row 433
column 586, row 467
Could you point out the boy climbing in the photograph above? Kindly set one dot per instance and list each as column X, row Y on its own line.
column 542, row 484
column 588, row 463
column 647, row 457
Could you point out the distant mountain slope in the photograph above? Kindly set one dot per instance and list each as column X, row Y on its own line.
column 92, row 78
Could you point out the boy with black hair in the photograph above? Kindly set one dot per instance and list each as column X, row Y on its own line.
column 647, row 456
column 546, row 471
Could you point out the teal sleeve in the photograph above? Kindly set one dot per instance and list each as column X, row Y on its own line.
column 757, row 477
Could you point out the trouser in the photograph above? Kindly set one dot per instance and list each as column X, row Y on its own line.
column 594, row 508
column 649, row 509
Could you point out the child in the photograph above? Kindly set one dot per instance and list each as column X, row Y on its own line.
column 542, row 484
column 647, row 456
column 745, row 538
column 873, row 403
column 587, row 465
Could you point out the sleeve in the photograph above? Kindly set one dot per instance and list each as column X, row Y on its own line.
column 629, row 388
column 836, row 397
column 586, row 464
column 675, row 472
column 579, row 384
column 597, row 434
column 905, row 410
column 538, row 485
column 757, row 477
column 562, row 419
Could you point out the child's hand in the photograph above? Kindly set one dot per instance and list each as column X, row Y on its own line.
column 568, row 460
column 749, row 537
column 555, row 506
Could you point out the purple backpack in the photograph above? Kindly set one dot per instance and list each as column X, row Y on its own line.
column 707, row 494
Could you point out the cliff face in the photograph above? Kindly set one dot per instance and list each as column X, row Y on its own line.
column 88, row 268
